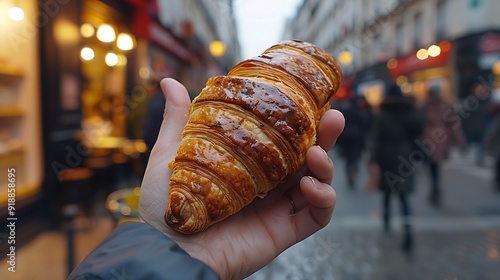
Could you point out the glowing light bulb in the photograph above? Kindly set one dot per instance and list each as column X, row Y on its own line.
column 345, row 57
column 422, row 54
column 87, row 30
column 111, row 59
column 87, row 53
column 434, row 51
column 125, row 42
column 106, row 33
column 217, row 48
column 16, row 13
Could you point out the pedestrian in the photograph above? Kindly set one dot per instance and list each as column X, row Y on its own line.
column 395, row 129
column 441, row 119
column 232, row 249
column 493, row 138
column 351, row 142
column 154, row 112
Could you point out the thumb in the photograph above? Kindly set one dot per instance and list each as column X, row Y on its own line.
column 176, row 111
column 154, row 188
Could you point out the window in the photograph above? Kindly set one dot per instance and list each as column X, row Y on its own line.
column 417, row 30
column 400, row 39
column 441, row 20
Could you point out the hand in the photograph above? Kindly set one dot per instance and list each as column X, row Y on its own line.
column 251, row 238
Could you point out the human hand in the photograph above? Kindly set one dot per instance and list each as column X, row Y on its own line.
column 251, row 238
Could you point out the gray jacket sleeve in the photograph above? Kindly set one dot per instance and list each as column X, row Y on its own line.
column 138, row 251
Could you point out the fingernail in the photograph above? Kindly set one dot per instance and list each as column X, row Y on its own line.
column 327, row 157
column 314, row 182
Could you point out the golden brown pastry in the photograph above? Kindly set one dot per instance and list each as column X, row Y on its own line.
column 247, row 131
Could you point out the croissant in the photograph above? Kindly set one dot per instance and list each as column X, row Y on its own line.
column 247, row 131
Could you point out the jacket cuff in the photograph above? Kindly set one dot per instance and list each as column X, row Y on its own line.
column 135, row 250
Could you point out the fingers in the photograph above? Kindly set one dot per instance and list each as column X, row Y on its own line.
column 321, row 201
column 319, row 164
column 329, row 128
column 320, row 168
column 314, row 200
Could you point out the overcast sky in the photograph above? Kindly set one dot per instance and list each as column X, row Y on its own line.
column 261, row 23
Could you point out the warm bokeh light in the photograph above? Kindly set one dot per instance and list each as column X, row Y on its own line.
column 66, row 32
column 125, row 42
column 434, row 51
column 87, row 30
column 106, row 33
column 418, row 86
column 341, row 93
column 406, row 88
column 345, row 57
column 122, row 60
column 401, row 80
column 445, row 46
column 493, row 253
column 217, row 48
column 392, row 63
column 144, row 72
column 87, row 53
column 16, row 13
column 125, row 210
column 422, row 54
column 496, row 68
column 111, row 59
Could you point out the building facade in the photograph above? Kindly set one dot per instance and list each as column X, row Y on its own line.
column 452, row 44
column 207, row 21
column 378, row 40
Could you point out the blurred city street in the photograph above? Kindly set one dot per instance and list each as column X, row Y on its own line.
column 460, row 240
column 86, row 86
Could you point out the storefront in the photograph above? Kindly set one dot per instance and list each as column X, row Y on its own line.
column 371, row 83
column 98, row 60
column 20, row 127
column 477, row 76
column 86, row 58
column 417, row 72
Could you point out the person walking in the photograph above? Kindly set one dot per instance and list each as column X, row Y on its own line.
column 493, row 140
column 395, row 129
column 351, row 142
column 440, row 120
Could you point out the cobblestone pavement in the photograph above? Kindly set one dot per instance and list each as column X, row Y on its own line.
column 460, row 240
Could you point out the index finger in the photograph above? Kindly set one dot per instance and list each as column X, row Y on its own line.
column 330, row 126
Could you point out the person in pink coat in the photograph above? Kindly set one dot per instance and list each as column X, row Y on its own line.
column 443, row 129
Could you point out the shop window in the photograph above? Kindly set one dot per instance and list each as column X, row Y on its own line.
column 106, row 43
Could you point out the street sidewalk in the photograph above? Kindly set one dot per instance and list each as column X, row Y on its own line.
column 460, row 240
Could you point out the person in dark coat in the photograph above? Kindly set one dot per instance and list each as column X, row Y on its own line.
column 393, row 156
column 154, row 113
column 232, row 249
column 351, row 142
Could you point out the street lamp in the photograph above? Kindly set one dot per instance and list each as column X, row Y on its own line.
column 217, row 48
column 345, row 57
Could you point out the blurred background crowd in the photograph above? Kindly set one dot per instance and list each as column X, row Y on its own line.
column 80, row 106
